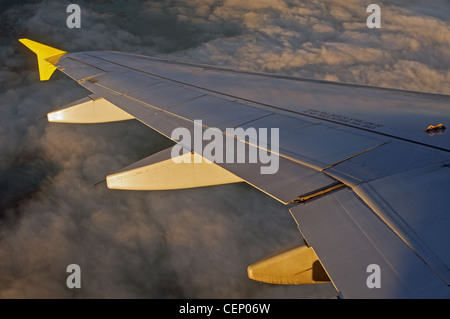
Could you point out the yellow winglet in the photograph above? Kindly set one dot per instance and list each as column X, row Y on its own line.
column 43, row 52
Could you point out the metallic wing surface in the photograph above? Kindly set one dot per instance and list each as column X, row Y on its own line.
column 364, row 171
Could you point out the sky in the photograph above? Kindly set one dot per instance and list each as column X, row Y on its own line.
column 194, row 243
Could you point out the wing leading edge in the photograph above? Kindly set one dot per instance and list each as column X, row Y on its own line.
column 364, row 182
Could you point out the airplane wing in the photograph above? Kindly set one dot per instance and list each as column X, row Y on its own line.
column 364, row 171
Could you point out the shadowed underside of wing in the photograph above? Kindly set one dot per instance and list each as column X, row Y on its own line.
column 363, row 180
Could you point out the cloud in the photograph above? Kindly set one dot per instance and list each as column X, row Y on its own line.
column 329, row 39
column 189, row 243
